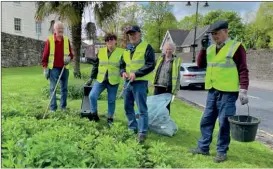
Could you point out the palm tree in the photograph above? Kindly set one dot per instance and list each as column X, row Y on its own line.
column 72, row 13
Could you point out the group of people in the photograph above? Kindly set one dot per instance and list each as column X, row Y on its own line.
column 226, row 79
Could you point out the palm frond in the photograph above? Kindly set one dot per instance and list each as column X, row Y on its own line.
column 45, row 9
column 105, row 10
column 68, row 13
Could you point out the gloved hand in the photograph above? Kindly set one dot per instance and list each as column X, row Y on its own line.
column 243, row 96
column 46, row 73
column 89, row 82
column 66, row 60
column 205, row 42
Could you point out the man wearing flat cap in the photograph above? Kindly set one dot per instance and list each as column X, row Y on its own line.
column 137, row 65
column 226, row 79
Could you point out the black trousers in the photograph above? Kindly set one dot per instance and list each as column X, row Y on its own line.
column 161, row 90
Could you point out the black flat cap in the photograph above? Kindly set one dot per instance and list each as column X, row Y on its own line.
column 218, row 26
column 133, row 28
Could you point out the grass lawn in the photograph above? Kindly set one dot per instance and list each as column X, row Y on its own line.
column 21, row 91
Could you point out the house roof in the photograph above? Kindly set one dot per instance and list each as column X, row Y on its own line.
column 178, row 35
column 190, row 38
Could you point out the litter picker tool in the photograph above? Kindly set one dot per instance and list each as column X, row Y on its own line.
column 54, row 91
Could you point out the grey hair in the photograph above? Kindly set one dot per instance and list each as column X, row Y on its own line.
column 57, row 23
column 169, row 44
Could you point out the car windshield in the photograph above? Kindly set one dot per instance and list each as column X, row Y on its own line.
column 195, row 69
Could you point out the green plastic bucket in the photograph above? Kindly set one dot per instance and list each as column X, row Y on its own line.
column 244, row 127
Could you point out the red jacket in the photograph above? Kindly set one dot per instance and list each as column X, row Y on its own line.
column 59, row 53
column 240, row 60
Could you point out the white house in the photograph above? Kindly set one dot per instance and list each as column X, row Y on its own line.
column 18, row 19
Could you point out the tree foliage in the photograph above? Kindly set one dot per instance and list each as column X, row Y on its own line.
column 158, row 19
column 72, row 13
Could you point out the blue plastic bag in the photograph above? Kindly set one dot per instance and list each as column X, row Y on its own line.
column 160, row 121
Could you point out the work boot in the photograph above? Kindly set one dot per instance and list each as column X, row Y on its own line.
column 90, row 116
column 198, row 151
column 96, row 117
column 141, row 138
column 220, row 158
column 110, row 122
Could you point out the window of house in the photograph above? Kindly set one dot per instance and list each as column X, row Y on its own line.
column 38, row 28
column 17, row 24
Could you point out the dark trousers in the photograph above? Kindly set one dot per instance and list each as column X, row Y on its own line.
column 222, row 105
column 160, row 90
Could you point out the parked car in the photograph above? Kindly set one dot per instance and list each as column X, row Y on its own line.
column 192, row 75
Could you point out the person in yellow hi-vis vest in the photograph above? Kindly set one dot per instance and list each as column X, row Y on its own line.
column 106, row 69
column 57, row 54
column 137, row 65
column 167, row 72
column 226, row 79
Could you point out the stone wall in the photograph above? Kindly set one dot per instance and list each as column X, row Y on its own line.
column 260, row 63
column 20, row 51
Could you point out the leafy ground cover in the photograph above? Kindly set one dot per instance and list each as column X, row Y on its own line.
column 63, row 139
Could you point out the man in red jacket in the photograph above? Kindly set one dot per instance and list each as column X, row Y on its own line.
column 57, row 54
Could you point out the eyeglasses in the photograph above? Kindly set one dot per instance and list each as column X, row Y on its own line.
column 110, row 38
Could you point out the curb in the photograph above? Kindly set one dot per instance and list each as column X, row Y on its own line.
column 262, row 136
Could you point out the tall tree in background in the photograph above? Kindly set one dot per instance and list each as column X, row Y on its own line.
column 264, row 23
column 188, row 22
column 72, row 13
column 125, row 16
column 236, row 26
column 158, row 18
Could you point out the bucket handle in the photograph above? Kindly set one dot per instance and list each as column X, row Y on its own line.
column 247, row 113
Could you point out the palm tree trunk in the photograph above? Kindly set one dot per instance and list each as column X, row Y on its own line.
column 76, row 38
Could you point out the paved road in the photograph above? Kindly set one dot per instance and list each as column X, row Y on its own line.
column 260, row 104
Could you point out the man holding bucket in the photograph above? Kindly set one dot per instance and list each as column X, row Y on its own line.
column 226, row 79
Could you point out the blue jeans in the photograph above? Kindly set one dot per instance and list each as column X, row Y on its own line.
column 137, row 91
column 97, row 89
column 221, row 105
column 54, row 75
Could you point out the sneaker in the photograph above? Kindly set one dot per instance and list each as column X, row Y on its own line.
column 220, row 158
column 198, row 151
column 141, row 138
column 110, row 122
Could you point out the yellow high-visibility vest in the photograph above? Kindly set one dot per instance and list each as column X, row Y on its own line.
column 52, row 50
column 111, row 64
column 137, row 61
column 222, row 73
column 175, row 70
